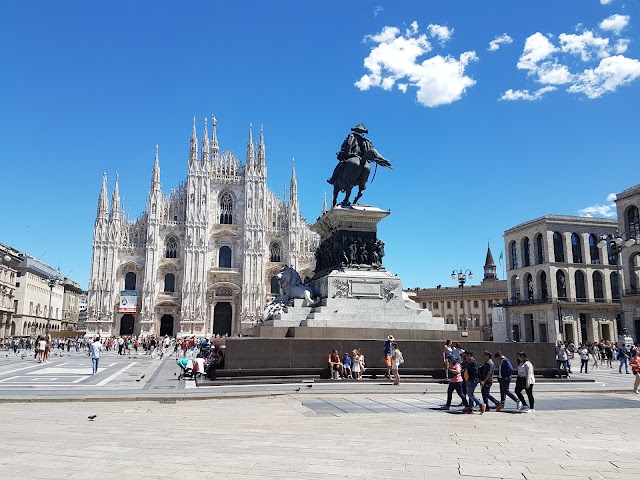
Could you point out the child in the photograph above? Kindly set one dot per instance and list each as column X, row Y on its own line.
column 355, row 364
column 346, row 365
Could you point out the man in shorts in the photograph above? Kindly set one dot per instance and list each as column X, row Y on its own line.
column 388, row 355
column 335, row 366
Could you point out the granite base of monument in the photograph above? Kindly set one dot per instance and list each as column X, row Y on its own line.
column 354, row 288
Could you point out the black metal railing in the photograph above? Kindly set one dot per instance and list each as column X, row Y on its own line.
column 541, row 301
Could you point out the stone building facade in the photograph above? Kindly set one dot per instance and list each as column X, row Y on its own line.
column 201, row 260
column 562, row 280
column 9, row 260
column 70, row 305
column 479, row 300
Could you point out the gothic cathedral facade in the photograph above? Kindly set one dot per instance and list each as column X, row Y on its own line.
column 201, row 260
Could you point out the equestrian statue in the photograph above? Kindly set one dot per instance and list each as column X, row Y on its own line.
column 354, row 157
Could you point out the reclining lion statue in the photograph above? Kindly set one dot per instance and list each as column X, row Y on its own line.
column 292, row 287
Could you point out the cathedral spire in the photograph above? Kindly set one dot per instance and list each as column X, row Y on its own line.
column 103, row 205
column 294, row 181
column 155, row 177
column 115, row 203
column 324, row 206
column 205, row 143
column 214, row 137
column 250, row 150
column 193, row 150
column 261, row 150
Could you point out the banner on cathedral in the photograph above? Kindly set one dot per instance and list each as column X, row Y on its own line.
column 128, row 301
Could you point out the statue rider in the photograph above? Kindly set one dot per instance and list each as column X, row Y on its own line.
column 355, row 145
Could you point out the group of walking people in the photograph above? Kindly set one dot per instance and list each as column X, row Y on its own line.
column 465, row 374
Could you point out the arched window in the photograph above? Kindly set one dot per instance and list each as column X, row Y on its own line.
column 226, row 209
column 169, row 282
column 598, row 288
column 526, row 252
column 514, row 255
column 515, row 288
column 615, row 286
column 275, row 285
column 561, row 284
column 528, row 281
column 558, row 247
column 634, row 270
column 633, row 222
column 224, row 257
column 130, row 281
column 576, row 248
column 581, row 291
column 539, row 249
column 544, row 291
column 171, row 250
column 594, row 251
column 275, row 252
column 611, row 251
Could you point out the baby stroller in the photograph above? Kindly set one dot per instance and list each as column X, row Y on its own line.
column 190, row 368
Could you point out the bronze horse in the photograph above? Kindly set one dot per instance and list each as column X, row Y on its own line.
column 354, row 172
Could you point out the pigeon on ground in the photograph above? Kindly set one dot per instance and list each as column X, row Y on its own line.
column 298, row 389
column 141, row 377
column 137, row 379
column 91, row 417
column 309, row 386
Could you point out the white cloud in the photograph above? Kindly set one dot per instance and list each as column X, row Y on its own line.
column 511, row 94
column 377, row 9
column 496, row 42
column 621, row 46
column 554, row 73
column 586, row 45
column 611, row 73
column 615, row 23
column 606, row 2
column 440, row 32
column 536, row 47
column 608, row 210
column 395, row 60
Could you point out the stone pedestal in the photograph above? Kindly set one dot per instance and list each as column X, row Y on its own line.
column 356, row 291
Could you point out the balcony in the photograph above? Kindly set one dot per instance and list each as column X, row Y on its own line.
column 543, row 301
column 631, row 291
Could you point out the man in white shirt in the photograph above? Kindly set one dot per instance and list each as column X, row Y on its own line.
column 96, row 348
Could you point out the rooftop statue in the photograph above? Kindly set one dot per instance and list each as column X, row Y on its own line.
column 354, row 157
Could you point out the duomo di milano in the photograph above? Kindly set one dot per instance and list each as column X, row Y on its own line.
column 201, row 260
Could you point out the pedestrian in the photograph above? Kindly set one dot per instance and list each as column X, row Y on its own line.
column 388, row 354
column 505, row 370
column 472, row 379
column 486, row 380
column 525, row 381
column 398, row 360
column 608, row 351
column 335, row 365
column 355, row 364
column 561, row 358
column 96, row 348
column 361, row 358
column 447, row 350
column 623, row 356
column 457, row 351
column 455, row 382
column 635, row 368
column 593, row 352
column 583, row 351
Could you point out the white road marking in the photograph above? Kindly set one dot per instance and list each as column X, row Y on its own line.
column 111, row 377
column 23, row 368
column 10, row 378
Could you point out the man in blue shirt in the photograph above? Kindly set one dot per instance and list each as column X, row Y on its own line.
column 388, row 353
column 505, row 369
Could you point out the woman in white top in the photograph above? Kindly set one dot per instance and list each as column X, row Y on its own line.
column 447, row 350
column 397, row 360
column 525, row 381
column 42, row 346
column 355, row 364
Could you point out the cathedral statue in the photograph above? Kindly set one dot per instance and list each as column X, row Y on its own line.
column 353, row 168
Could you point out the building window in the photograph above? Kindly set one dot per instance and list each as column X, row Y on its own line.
column 558, row 247
column 490, row 303
column 539, row 249
column 634, row 269
column 224, row 257
column 514, row 255
column 461, row 304
column 130, row 281
column 633, row 222
column 171, row 250
column 275, row 285
column 561, row 284
column 15, row 306
column 17, row 284
column 576, row 248
column 581, row 291
column 611, row 253
column 275, row 252
column 615, row 286
column 544, row 292
column 526, row 252
column 598, row 290
column 528, row 280
column 448, row 304
column 226, row 209
column 475, row 304
column 436, row 305
column 169, row 282
column 594, row 251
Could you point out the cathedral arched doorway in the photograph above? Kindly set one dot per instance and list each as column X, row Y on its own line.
column 222, row 316
column 126, row 324
column 166, row 325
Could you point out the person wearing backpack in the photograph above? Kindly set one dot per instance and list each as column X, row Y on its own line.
column 398, row 360
column 623, row 357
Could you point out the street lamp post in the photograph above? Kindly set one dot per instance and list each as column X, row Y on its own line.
column 616, row 245
column 461, row 276
column 52, row 282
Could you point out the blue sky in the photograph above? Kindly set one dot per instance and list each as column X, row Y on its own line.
column 482, row 138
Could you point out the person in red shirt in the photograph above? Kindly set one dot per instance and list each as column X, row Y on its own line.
column 635, row 368
column 335, row 365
